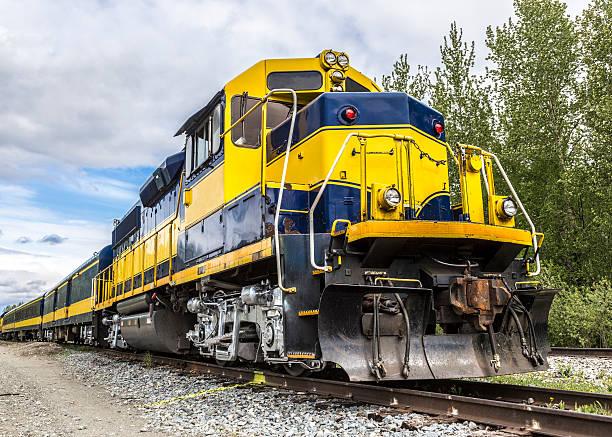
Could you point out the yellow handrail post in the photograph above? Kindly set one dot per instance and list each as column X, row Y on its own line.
column 263, row 148
column 398, row 145
column 176, row 212
column 364, row 185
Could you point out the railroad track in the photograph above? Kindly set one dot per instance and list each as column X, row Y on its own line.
column 497, row 404
column 522, row 394
column 582, row 352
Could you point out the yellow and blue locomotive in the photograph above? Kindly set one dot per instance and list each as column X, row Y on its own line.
column 308, row 223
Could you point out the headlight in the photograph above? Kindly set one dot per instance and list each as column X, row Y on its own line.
column 337, row 88
column 343, row 60
column 507, row 208
column 330, row 58
column 337, row 76
column 391, row 198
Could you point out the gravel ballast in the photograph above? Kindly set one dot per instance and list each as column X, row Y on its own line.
column 179, row 403
column 595, row 370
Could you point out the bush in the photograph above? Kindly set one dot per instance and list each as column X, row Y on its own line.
column 579, row 316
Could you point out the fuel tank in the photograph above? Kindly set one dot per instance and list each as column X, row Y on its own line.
column 162, row 331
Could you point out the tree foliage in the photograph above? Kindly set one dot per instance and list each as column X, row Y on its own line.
column 535, row 64
column 10, row 307
column 580, row 315
column 461, row 95
column 592, row 175
column 417, row 85
column 544, row 106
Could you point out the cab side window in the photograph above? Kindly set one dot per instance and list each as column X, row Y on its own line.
column 205, row 142
column 247, row 133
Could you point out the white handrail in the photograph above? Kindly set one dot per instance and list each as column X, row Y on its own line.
column 316, row 201
column 520, row 204
column 282, row 186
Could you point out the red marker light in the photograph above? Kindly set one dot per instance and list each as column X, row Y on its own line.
column 349, row 114
column 438, row 127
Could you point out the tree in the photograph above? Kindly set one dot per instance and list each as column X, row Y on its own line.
column 461, row 95
column 593, row 171
column 400, row 80
column 535, row 73
column 10, row 307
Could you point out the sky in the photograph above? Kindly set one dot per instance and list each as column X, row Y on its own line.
column 92, row 92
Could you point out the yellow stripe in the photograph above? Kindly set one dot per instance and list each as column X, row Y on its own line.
column 80, row 307
column 29, row 322
column 87, row 268
column 196, row 394
column 431, row 229
column 294, row 210
column 308, row 313
column 60, row 314
column 301, row 355
column 357, row 128
column 429, row 199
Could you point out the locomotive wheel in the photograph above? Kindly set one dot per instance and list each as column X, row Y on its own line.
column 296, row 370
column 221, row 363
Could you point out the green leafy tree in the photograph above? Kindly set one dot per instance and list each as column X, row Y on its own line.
column 10, row 307
column 592, row 173
column 580, row 315
column 535, row 73
column 461, row 95
column 417, row 85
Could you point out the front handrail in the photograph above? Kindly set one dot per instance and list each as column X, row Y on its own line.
column 263, row 174
column 326, row 181
column 316, row 202
column 534, row 233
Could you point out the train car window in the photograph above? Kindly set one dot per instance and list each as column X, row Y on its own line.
column 188, row 157
column 201, row 148
column 216, row 130
column 352, row 86
column 296, row 80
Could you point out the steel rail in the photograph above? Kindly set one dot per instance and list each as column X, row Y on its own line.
column 582, row 352
column 512, row 393
column 535, row 419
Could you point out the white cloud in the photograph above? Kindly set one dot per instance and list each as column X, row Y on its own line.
column 105, row 84
column 38, row 247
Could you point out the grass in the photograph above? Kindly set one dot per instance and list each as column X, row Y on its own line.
column 78, row 347
column 148, row 360
column 594, row 408
column 72, row 348
column 572, row 382
column 564, row 378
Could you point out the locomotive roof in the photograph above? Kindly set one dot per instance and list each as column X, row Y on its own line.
column 196, row 119
column 23, row 305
